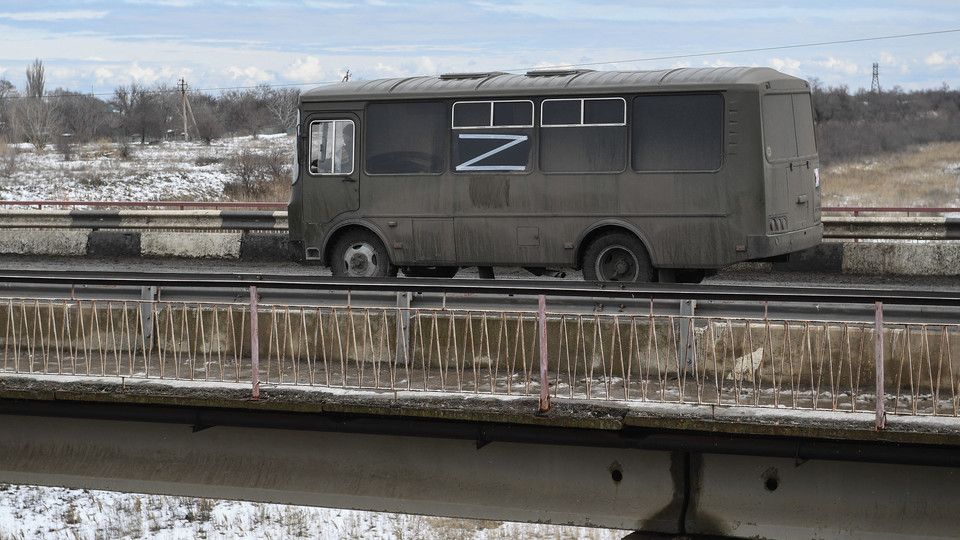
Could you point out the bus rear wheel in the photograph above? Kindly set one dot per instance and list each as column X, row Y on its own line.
column 361, row 254
column 617, row 257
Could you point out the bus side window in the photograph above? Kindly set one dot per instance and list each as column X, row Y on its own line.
column 331, row 147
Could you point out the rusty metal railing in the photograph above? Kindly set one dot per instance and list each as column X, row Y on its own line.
column 169, row 205
column 684, row 359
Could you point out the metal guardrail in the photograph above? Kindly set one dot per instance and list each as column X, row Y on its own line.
column 857, row 210
column 534, row 351
column 191, row 220
column 180, row 205
column 835, row 227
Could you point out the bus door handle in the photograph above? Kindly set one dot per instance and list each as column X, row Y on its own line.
column 802, row 199
column 349, row 179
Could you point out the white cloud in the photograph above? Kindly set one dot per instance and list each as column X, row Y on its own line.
column 70, row 15
column 249, row 74
column 786, row 65
column 839, row 65
column 935, row 59
column 319, row 4
column 103, row 75
column 165, row 3
column 723, row 63
column 306, row 69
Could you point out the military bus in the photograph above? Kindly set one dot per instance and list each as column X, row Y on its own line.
column 629, row 175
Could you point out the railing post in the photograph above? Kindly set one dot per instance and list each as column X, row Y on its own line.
column 148, row 295
column 254, row 344
column 687, row 340
column 544, row 381
column 878, row 360
column 403, row 327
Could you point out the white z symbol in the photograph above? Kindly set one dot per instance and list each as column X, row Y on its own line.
column 512, row 140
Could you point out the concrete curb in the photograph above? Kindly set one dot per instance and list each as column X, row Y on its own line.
column 245, row 245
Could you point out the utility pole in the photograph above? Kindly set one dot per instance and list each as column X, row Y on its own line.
column 875, row 83
column 183, row 105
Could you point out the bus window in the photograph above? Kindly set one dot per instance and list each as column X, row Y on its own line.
column 405, row 138
column 788, row 126
column 331, row 147
column 583, row 135
column 803, row 116
column 677, row 132
column 485, row 114
column 503, row 146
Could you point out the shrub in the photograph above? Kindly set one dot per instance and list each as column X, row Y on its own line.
column 8, row 158
column 258, row 174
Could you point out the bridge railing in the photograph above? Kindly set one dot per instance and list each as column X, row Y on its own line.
column 739, row 361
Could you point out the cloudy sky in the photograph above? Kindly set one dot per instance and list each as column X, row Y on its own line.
column 93, row 45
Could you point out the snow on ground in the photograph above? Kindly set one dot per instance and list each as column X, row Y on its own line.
column 74, row 514
column 172, row 170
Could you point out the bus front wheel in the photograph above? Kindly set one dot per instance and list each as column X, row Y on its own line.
column 617, row 256
column 361, row 254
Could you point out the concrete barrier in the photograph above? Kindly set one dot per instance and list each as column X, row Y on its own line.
column 908, row 258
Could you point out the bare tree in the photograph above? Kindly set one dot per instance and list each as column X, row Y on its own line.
column 245, row 111
column 83, row 116
column 7, row 91
column 140, row 111
column 282, row 104
column 35, row 116
column 208, row 125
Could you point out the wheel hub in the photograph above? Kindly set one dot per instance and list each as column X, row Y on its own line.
column 617, row 263
column 360, row 260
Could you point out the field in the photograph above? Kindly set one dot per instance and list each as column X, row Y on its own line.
column 233, row 168
column 927, row 175
column 69, row 514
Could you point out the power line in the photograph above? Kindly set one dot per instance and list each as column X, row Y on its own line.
column 581, row 64
column 738, row 51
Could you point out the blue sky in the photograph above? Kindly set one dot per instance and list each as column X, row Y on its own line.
column 93, row 45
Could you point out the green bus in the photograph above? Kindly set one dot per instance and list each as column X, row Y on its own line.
column 627, row 175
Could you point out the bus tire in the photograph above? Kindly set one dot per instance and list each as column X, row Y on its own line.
column 360, row 253
column 617, row 256
column 431, row 271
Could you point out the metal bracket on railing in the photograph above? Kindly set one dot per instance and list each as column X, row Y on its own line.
column 544, row 381
column 878, row 360
column 254, row 344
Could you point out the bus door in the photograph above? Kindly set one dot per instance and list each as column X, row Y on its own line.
column 790, row 149
column 330, row 185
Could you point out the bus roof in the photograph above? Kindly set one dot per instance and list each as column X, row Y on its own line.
column 550, row 82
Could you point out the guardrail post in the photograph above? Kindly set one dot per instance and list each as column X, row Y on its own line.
column 403, row 327
column 254, row 344
column 688, row 344
column 878, row 360
column 544, row 381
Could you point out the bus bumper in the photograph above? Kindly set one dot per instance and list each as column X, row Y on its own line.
column 771, row 245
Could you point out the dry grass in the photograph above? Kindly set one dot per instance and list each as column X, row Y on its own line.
column 927, row 175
